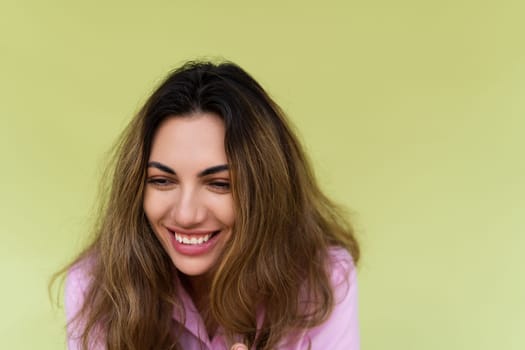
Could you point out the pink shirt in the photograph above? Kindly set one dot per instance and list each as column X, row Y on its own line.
column 339, row 332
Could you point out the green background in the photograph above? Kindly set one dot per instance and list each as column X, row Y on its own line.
column 413, row 113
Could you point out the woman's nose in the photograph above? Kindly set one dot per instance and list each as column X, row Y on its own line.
column 188, row 209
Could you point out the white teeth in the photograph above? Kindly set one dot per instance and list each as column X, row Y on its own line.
column 193, row 240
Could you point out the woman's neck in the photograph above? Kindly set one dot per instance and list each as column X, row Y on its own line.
column 198, row 288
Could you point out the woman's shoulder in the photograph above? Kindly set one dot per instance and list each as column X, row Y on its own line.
column 78, row 280
column 341, row 267
column 79, row 274
column 341, row 329
column 340, row 254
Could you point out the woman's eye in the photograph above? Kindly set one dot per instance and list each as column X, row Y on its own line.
column 223, row 186
column 159, row 182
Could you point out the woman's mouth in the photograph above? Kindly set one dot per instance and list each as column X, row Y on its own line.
column 193, row 243
column 190, row 239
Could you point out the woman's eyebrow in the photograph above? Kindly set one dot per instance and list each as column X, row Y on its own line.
column 162, row 167
column 213, row 170
column 208, row 171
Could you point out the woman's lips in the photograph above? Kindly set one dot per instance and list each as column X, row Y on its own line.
column 193, row 242
column 193, row 239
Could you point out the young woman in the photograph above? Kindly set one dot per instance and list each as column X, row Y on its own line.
column 214, row 231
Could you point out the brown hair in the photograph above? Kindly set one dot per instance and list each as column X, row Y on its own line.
column 284, row 225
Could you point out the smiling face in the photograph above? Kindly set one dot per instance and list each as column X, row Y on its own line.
column 188, row 200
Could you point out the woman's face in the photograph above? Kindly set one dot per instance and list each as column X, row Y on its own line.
column 188, row 200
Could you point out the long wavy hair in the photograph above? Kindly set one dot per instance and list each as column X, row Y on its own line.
column 284, row 226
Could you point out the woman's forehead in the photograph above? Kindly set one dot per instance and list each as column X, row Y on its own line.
column 190, row 142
